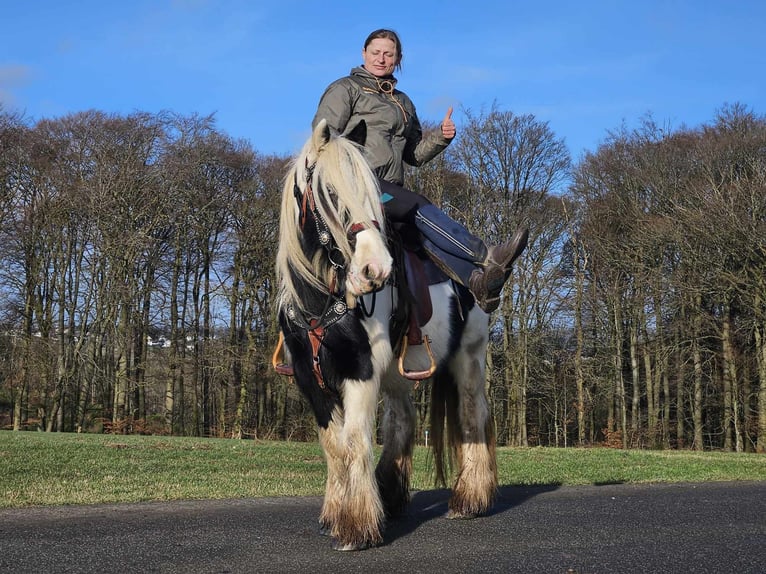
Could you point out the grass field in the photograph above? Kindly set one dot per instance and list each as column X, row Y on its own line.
column 53, row 468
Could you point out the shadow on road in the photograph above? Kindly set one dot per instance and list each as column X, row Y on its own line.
column 427, row 505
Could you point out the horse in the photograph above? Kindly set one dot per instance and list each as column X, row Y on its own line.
column 335, row 304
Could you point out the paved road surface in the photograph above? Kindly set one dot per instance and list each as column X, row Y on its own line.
column 695, row 528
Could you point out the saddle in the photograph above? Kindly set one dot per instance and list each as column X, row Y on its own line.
column 414, row 273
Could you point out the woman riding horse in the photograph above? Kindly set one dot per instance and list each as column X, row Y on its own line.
column 394, row 137
column 335, row 306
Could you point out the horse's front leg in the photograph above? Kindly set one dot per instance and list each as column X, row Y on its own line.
column 352, row 511
column 332, row 445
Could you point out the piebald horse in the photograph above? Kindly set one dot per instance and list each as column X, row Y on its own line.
column 335, row 307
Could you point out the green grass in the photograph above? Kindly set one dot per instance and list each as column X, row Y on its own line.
column 52, row 469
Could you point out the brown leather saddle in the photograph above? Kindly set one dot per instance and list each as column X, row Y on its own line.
column 414, row 273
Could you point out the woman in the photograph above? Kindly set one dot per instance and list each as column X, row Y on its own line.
column 394, row 137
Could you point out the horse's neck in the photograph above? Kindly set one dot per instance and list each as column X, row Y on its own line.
column 313, row 299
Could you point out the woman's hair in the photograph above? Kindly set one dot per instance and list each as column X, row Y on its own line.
column 387, row 35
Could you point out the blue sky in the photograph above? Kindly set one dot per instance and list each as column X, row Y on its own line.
column 584, row 67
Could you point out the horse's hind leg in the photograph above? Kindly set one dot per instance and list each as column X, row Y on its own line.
column 398, row 428
column 352, row 512
column 475, row 486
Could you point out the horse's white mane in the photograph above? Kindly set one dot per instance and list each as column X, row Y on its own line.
column 346, row 192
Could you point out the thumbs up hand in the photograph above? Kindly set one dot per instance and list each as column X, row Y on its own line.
column 448, row 126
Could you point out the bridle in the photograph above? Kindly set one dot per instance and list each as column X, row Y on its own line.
column 335, row 306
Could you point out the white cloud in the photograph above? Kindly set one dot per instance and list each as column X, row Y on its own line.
column 11, row 78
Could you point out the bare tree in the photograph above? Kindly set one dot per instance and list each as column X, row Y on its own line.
column 511, row 165
column 635, row 317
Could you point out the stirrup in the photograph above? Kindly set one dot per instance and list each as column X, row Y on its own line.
column 277, row 359
column 416, row 375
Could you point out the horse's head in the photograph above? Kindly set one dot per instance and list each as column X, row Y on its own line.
column 332, row 232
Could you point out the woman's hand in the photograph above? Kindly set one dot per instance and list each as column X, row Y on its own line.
column 448, row 126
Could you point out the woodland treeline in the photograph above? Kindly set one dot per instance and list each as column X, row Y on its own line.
column 136, row 279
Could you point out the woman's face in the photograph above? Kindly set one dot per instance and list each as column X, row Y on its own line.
column 380, row 57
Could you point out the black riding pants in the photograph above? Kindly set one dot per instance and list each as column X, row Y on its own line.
column 456, row 250
column 400, row 204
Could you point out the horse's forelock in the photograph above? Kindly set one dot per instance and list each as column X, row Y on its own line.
column 343, row 169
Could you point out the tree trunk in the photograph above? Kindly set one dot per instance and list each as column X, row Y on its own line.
column 732, row 407
column 697, row 360
column 680, row 394
column 760, row 347
column 728, row 412
column 523, row 384
column 635, row 405
column 19, row 400
column 578, row 358
column 121, row 377
column 176, row 339
column 619, row 382
column 649, row 375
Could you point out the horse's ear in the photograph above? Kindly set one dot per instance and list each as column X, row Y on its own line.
column 359, row 134
column 321, row 135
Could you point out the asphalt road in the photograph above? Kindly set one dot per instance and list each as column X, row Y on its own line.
column 611, row 529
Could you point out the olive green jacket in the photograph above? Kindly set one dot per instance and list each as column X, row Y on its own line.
column 394, row 135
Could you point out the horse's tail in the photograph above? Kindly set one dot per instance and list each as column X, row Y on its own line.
column 446, row 429
column 445, row 425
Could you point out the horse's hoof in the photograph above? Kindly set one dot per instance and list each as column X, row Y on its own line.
column 336, row 545
column 324, row 530
column 454, row 515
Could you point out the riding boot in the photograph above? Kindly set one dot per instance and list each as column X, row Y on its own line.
column 466, row 258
